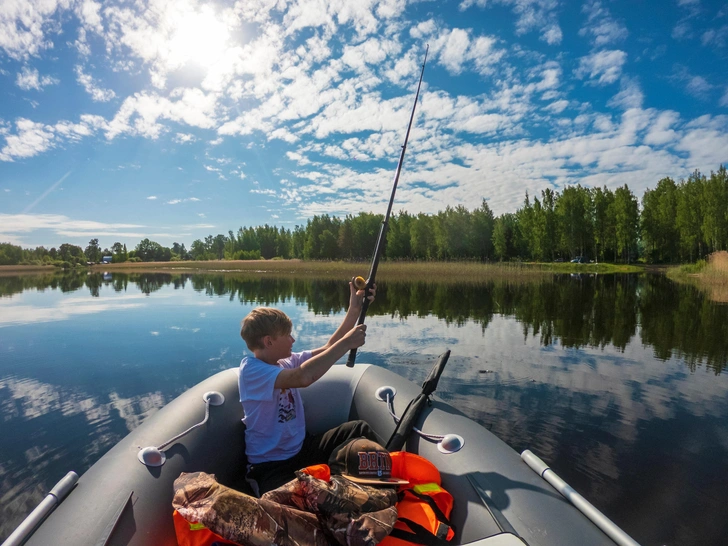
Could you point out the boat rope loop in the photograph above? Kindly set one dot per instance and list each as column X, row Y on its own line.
column 193, row 427
column 390, row 407
column 154, row 456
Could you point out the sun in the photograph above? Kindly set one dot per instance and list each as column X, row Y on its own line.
column 199, row 37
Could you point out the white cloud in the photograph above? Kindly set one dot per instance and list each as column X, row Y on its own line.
column 724, row 98
column 29, row 78
column 24, row 24
column 32, row 138
column 140, row 113
column 558, row 106
column 532, row 14
column 661, row 131
column 630, row 95
column 682, row 30
column 152, row 197
column 183, row 138
column 97, row 93
column 716, row 37
column 698, row 87
column 178, row 201
column 706, row 140
column 167, row 35
column 601, row 26
column 552, row 34
column 89, row 13
column 603, row 67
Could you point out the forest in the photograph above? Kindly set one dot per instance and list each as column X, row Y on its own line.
column 676, row 222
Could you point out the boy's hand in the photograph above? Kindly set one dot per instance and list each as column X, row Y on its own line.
column 355, row 337
column 356, row 296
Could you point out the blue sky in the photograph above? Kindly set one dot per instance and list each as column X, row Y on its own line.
column 178, row 119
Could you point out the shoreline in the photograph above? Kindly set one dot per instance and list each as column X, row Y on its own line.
column 395, row 271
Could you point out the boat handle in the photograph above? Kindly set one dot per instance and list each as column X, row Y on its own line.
column 154, row 455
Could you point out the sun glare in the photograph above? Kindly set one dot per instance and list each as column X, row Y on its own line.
column 199, row 38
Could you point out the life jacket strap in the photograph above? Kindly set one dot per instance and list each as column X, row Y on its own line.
column 431, row 502
column 420, row 534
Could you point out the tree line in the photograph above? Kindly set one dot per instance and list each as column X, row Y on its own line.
column 676, row 222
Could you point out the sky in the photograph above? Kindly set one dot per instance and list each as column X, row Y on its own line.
column 177, row 119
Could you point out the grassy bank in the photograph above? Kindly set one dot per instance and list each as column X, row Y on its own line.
column 710, row 276
column 388, row 271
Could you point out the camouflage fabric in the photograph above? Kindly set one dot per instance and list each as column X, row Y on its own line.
column 260, row 522
column 337, row 496
column 354, row 514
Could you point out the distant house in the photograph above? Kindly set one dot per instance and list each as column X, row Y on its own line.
column 106, row 260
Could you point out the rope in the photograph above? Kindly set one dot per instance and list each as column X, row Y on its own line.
column 193, row 427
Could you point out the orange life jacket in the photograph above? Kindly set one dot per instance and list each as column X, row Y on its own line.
column 425, row 507
column 195, row 534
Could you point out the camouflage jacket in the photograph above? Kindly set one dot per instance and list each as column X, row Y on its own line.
column 304, row 512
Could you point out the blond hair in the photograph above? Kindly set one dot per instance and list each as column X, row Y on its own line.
column 261, row 322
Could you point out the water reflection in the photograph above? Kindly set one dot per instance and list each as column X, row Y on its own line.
column 571, row 310
column 614, row 380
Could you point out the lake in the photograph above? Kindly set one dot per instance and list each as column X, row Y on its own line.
column 614, row 380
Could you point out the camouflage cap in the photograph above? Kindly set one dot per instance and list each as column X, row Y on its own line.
column 364, row 461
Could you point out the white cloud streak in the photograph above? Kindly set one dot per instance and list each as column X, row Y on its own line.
column 29, row 78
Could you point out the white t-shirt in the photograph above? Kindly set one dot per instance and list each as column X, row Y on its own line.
column 275, row 425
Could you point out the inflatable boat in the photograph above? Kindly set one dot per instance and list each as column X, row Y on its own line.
column 501, row 498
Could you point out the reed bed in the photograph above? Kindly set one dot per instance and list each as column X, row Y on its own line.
column 710, row 275
column 398, row 271
column 437, row 272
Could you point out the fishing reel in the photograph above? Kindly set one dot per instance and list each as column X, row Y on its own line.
column 360, row 283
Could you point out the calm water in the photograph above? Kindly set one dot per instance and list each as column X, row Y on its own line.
column 615, row 381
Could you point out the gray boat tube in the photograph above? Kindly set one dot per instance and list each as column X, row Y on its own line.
column 40, row 513
column 610, row 528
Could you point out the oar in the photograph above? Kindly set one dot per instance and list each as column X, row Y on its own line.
column 26, row 528
column 383, row 230
column 415, row 407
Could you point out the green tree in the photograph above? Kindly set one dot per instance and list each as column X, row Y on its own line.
column 572, row 211
column 505, row 237
column 483, row 223
column 626, row 215
column 714, row 207
column 453, row 233
column 398, row 236
column 10, row 254
column 118, row 253
column 688, row 216
column 422, row 237
column 93, row 251
column 603, row 220
column 657, row 222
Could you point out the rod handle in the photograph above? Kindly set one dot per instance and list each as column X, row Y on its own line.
column 352, row 358
column 362, row 315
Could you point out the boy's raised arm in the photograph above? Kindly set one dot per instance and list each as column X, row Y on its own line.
column 316, row 366
column 356, row 298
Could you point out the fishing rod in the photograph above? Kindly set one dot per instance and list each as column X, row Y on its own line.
column 385, row 223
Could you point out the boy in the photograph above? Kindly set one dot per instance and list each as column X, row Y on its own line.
column 276, row 442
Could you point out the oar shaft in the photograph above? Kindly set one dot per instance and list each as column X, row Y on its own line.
column 40, row 513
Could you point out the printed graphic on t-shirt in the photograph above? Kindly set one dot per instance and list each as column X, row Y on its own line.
column 286, row 406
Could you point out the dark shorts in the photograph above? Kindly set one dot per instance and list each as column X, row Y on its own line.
column 316, row 449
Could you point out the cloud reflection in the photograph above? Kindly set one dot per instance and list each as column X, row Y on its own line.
column 14, row 313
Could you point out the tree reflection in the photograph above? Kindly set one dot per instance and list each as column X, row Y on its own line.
column 573, row 310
